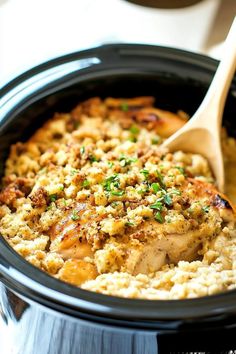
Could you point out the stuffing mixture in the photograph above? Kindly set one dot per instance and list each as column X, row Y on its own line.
column 94, row 200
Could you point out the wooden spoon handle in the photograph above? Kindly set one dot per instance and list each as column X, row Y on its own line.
column 211, row 110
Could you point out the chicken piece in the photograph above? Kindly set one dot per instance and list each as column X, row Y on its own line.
column 77, row 271
column 164, row 249
column 67, row 239
column 129, row 103
column 171, row 248
column 163, row 122
column 218, row 200
column 140, row 110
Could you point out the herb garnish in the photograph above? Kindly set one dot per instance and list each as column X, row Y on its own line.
column 133, row 139
column 64, row 201
column 75, row 215
column 159, row 217
column 155, row 140
column 145, row 172
column 110, row 164
column 82, row 150
column 53, row 197
column 161, row 178
column 93, row 158
column 156, row 187
column 124, row 106
column 74, row 172
column 165, row 199
column 181, row 170
column 110, row 182
column 134, row 130
column 157, row 205
column 125, row 161
column 85, row 183
column 117, row 193
column 129, row 223
column 206, row 208
column 142, row 191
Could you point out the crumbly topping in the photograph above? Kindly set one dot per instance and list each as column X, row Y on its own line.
column 94, row 192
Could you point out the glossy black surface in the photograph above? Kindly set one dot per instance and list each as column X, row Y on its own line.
column 165, row 4
column 69, row 319
column 35, row 329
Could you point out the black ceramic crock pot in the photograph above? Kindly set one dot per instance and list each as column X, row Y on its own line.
column 46, row 316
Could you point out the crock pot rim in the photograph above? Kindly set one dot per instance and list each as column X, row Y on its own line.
column 89, row 302
column 117, row 50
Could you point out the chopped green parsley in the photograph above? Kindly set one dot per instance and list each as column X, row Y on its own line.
column 155, row 140
column 74, row 172
column 145, row 172
column 93, row 158
column 111, row 182
column 181, row 170
column 125, row 161
column 85, row 183
column 206, row 208
column 134, row 130
column 53, row 197
column 157, row 205
column 156, row 187
column 161, row 178
column 124, row 106
column 110, row 164
column 75, row 215
column 159, row 217
column 129, row 224
column 117, row 193
column 167, row 199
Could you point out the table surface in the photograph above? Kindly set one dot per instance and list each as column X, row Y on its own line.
column 33, row 31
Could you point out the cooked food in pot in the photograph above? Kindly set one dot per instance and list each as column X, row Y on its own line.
column 96, row 201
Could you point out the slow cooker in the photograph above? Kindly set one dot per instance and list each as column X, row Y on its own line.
column 46, row 316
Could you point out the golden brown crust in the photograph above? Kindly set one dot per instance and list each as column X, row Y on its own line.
column 15, row 187
column 39, row 197
column 93, row 192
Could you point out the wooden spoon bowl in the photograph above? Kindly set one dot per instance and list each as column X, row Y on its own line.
column 201, row 134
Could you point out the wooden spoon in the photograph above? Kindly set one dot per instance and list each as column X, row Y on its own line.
column 201, row 134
